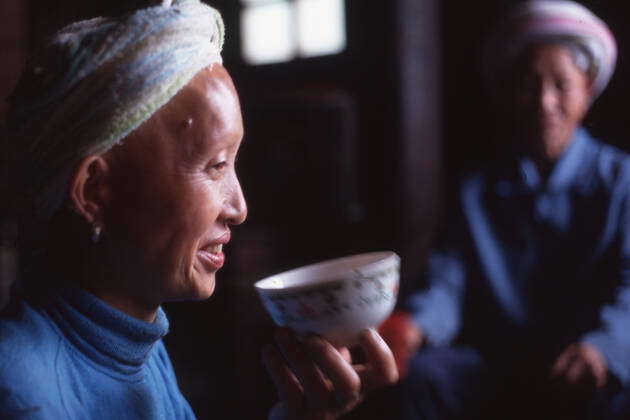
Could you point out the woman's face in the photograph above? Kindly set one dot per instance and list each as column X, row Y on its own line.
column 552, row 96
column 174, row 194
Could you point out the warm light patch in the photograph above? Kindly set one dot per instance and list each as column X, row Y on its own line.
column 267, row 33
column 321, row 27
column 275, row 31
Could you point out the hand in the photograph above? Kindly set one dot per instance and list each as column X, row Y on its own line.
column 581, row 366
column 403, row 337
column 316, row 381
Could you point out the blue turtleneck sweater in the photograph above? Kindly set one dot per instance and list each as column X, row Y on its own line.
column 75, row 357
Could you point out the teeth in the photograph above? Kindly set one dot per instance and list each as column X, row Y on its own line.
column 215, row 248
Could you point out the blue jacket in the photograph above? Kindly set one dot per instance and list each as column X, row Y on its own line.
column 74, row 357
column 532, row 265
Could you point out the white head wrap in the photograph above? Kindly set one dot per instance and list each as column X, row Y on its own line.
column 538, row 21
column 95, row 82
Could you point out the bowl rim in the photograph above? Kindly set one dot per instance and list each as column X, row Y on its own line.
column 330, row 278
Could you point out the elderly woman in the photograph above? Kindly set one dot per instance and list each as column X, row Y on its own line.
column 123, row 137
column 528, row 294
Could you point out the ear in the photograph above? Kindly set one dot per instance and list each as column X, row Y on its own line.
column 89, row 189
column 590, row 92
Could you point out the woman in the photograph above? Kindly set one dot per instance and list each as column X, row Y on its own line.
column 527, row 298
column 123, row 137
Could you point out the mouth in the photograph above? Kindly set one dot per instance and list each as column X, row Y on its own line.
column 211, row 260
column 214, row 248
column 548, row 120
column 211, row 255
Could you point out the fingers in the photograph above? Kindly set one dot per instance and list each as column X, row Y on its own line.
column 312, row 376
column 345, row 353
column 578, row 372
column 345, row 380
column 581, row 365
column 601, row 374
column 381, row 367
column 597, row 364
column 316, row 387
column 289, row 388
column 562, row 363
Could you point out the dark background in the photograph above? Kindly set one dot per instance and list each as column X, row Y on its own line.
column 342, row 154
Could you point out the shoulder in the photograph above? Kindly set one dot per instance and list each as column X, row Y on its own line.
column 28, row 345
column 25, row 330
column 612, row 164
column 24, row 333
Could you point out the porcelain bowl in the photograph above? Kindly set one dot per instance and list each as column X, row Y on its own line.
column 337, row 298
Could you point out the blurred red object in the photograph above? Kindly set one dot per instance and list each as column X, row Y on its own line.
column 403, row 337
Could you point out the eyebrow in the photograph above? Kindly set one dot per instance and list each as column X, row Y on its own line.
column 200, row 142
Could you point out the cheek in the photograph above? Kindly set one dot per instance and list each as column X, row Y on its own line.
column 199, row 213
column 191, row 223
column 582, row 108
column 168, row 221
column 575, row 105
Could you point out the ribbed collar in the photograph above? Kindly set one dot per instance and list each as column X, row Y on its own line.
column 103, row 334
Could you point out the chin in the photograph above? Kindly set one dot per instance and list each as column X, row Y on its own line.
column 555, row 149
column 205, row 287
column 199, row 289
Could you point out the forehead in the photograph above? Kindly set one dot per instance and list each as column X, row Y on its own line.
column 546, row 57
column 203, row 116
column 207, row 108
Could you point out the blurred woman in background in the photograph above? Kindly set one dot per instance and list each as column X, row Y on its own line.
column 527, row 306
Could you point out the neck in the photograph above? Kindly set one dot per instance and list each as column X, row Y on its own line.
column 545, row 166
column 76, row 262
column 98, row 278
column 126, row 304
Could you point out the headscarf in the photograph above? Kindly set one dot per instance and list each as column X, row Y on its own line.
column 96, row 81
column 562, row 21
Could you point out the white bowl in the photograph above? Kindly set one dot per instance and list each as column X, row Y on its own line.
column 336, row 299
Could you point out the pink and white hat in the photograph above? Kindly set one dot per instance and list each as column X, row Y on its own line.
column 553, row 20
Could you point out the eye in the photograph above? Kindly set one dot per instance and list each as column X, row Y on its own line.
column 216, row 170
column 561, row 85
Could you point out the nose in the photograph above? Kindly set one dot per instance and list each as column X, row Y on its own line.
column 235, row 208
column 547, row 98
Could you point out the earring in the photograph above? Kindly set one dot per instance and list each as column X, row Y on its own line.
column 96, row 234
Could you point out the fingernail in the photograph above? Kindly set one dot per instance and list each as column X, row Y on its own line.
column 346, row 399
column 371, row 333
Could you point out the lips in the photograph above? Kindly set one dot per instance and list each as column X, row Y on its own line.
column 548, row 119
column 212, row 261
column 211, row 254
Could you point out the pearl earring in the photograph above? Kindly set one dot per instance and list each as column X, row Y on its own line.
column 96, row 234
